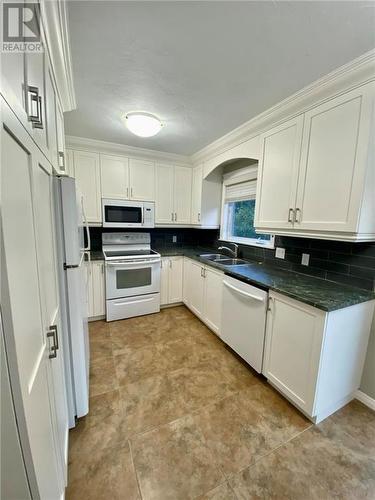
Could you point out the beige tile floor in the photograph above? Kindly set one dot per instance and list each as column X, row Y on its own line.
column 175, row 415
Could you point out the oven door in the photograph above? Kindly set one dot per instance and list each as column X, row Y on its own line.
column 117, row 213
column 132, row 278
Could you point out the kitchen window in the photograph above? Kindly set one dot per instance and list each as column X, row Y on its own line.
column 238, row 210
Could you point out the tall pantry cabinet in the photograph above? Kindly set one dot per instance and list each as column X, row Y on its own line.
column 32, row 152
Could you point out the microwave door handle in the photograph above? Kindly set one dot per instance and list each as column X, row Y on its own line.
column 143, row 215
column 88, row 247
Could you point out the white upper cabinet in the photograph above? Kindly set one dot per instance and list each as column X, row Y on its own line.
column 164, row 187
column 142, row 180
column 182, row 194
column 322, row 186
column 114, row 172
column 333, row 163
column 61, row 159
column 206, row 198
column 173, row 194
column 278, row 175
column 87, row 174
column 196, row 195
column 51, row 116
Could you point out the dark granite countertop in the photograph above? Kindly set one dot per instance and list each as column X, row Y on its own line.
column 317, row 292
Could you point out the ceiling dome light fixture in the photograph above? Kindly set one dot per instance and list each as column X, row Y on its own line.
column 143, row 124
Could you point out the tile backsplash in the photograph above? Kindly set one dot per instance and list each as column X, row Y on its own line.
column 347, row 263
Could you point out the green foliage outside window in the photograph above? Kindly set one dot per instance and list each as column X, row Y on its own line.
column 242, row 220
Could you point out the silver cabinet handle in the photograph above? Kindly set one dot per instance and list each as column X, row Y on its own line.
column 199, row 216
column 175, row 216
column 34, row 114
column 172, row 216
column 53, row 333
column 296, row 218
column 291, row 215
column 127, row 192
column 202, row 272
column 131, row 192
column 61, row 160
column 170, row 263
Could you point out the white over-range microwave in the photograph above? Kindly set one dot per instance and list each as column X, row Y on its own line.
column 124, row 213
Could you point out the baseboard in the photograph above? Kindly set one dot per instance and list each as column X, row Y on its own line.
column 365, row 399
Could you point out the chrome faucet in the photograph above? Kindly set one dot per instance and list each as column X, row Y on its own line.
column 234, row 252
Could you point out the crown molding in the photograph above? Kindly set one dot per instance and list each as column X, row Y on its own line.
column 55, row 26
column 112, row 148
column 353, row 74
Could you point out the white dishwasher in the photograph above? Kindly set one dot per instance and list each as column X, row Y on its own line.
column 244, row 309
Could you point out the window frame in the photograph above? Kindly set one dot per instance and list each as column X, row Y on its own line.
column 236, row 177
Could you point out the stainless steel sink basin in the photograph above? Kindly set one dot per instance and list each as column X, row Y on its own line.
column 215, row 257
column 222, row 259
column 232, row 262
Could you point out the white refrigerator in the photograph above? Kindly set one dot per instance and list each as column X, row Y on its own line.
column 71, row 249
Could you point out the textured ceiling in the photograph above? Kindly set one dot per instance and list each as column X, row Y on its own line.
column 203, row 67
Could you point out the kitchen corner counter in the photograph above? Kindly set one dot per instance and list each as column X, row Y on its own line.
column 322, row 294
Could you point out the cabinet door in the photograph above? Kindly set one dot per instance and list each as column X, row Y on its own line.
column 27, row 344
column 46, row 250
column 196, row 288
column 69, row 162
column 142, row 180
column 164, row 209
column 36, row 66
column 98, row 293
column 292, row 351
column 185, row 281
column 164, row 281
column 278, row 175
column 182, row 194
column 90, row 289
column 213, row 288
column 114, row 171
column 175, row 279
column 196, row 195
column 87, row 174
column 13, row 79
column 333, row 162
column 60, row 138
column 51, row 119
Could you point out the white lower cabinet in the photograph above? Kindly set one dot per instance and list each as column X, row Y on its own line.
column 315, row 358
column 202, row 292
column 171, row 280
column 95, row 288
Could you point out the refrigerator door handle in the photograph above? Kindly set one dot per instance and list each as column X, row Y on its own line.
column 88, row 247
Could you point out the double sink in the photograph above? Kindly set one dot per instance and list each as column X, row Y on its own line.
column 223, row 260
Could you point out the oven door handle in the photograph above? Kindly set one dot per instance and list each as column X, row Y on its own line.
column 125, row 264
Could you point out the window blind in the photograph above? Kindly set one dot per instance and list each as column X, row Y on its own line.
column 241, row 191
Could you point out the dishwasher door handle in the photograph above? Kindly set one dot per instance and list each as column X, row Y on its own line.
column 241, row 292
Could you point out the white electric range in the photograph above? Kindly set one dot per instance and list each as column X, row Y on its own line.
column 132, row 275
